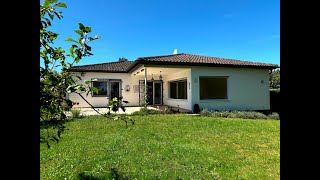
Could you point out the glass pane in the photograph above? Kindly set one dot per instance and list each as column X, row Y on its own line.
column 213, row 88
column 157, row 93
column 182, row 90
column 173, row 90
column 115, row 89
column 150, row 93
column 101, row 86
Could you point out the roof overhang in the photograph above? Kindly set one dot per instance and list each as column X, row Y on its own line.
column 206, row 64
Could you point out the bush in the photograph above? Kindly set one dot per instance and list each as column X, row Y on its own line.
column 75, row 113
column 274, row 115
column 205, row 112
column 166, row 111
column 237, row 114
column 145, row 111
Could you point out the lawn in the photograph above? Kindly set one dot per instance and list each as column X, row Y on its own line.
column 165, row 147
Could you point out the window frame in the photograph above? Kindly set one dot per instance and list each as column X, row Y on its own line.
column 108, row 81
column 227, row 88
column 177, row 88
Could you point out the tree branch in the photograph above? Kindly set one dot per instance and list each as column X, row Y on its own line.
column 89, row 104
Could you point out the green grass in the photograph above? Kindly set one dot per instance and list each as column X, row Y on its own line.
column 165, row 147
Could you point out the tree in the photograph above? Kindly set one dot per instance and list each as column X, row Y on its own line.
column 53, row 84
column 275, row 79
column 122, row 59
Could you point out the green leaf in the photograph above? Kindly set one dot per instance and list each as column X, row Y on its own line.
column 71, row 40
column 88, row 47
column 77, row 59
column 71, row 51
column 95, row 90
column 61, row 4
column 81, row 26
column 51, row 16
column 78, row 31
column 46, row 3
column 87, row 82
column 94, row 38
column 88, row 29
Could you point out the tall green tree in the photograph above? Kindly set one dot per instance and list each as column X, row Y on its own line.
column 275, row 79
column 54, row 85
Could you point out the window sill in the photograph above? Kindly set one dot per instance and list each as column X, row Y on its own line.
column 214, row 100
column 177, row 99
column 100, row 96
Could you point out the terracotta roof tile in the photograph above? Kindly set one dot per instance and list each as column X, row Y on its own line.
column 179, row 59
column 197, row 59
column 122, row 66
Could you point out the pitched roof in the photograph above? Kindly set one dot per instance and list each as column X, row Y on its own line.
column 192, row 59
column 116, row 67
column 173, row 59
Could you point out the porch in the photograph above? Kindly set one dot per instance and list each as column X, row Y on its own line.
column 164, row 87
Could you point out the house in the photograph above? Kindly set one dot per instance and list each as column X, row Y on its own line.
column 179, row 80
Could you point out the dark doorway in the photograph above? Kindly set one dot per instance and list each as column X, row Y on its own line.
column 154, row 92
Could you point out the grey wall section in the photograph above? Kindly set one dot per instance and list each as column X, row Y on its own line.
column 248, row 89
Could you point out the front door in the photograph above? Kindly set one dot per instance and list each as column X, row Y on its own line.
column 114, row 89
column 157, row 93
column 154, row 92
column 149, row 93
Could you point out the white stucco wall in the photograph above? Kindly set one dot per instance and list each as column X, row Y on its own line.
column 127, row 79
column 183, row 103
column 245, row 90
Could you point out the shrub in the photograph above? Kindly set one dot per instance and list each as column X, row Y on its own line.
column 205, row 112
column 145, row 111
column 235, row 114
column 75, row 113
column 166, row 111
column 274, row 115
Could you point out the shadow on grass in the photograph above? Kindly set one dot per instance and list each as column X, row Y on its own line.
column 114, row 174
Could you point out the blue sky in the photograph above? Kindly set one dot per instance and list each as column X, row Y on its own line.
column 241, row 29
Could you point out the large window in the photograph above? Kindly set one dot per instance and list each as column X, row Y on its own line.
column 107, row 87
column 213, row 88
column 178, row 89
column 102, row 87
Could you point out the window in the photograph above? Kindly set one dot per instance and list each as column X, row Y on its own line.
column 102, row 87
column 178, row 89
column 107, row 87
column 213, row 88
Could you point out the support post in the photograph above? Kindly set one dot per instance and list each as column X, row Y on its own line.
column 145, row 87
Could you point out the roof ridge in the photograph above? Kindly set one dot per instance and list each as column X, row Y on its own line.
column 103, row 63
column 159, row 56
column 230, row 59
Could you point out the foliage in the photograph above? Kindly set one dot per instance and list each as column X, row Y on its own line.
column 122, row 59
column 274, row 115
column 236, row 114
column 53, row 84
column 165, row 147
column 166, row 111
column 275, row 79
column 115, row 105
column 75, row 113
column 145, row 111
